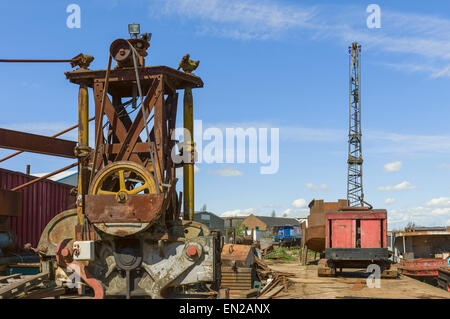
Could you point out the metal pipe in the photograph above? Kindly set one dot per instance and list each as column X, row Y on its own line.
column 100, row 120
column 44, row 177
column 32, row 60
column 83, row 144
column 188, row 168
column 56, row 135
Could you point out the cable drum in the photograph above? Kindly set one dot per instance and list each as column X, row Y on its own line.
column 121, row 52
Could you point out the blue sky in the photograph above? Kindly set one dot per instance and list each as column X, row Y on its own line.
column 265, row 63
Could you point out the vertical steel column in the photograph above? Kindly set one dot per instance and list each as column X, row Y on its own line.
column 355, row 194
column 83, row 148
column 188, row 168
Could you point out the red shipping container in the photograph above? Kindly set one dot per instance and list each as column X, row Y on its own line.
column 40, row 203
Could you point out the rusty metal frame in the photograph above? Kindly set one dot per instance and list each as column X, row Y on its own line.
column 34, row 143
column 120, row 138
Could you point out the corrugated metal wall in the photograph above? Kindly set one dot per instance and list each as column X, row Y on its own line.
column 41, row 202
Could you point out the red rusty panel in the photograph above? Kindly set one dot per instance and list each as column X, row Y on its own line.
column 40, row 203
column 421, row 267
column 341, row 234
column 373, row 228
column 137, row 208
column 11, row 203
column 373, row 214
column 371, row 233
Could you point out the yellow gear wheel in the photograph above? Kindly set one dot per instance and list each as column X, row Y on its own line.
column 123, row 177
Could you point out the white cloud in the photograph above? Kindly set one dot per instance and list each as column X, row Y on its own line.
column 441, row 211
column 378, row 142
column 300, row 203
column 298, row 208
column 422, row 40
column 393, row 167
column 420, row 215
column 243, row 20
column 439, row 202
column 238, row 212
column 227, row 171
column 322, row 187
column 399, row 187
column 390, row 201
column 444, row 165
column 436, row 212
column 294, row 212
column 394, row 143
column 445, row 72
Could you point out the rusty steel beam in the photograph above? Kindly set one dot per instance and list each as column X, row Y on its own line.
column 56, row 135
column 131, row 138
column 120, row 131
column 34, row 143
column 44, row 177
column 32, row 60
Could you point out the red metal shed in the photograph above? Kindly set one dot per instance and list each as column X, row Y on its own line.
column 40, row 203
column 356, row 229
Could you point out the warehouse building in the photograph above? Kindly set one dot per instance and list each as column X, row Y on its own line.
column 211, row 220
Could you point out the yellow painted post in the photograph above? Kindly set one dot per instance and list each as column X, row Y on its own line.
column 83, row 147
column 188, row 168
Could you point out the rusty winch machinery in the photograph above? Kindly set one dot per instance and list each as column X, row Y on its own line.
column 127, row 237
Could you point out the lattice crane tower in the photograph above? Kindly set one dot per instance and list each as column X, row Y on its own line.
column 355, row 194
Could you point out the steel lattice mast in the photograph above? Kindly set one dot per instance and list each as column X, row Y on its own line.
column 355, row 194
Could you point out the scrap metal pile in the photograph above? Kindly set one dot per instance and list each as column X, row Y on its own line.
column 245, row 275
column 273, row 281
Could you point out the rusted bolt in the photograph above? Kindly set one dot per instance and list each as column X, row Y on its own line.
column 65, row 252
column 192, row 251
column 121, row 197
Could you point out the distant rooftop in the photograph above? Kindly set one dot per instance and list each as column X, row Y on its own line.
column 58, row 176
column 67, row 177
column 278, row 221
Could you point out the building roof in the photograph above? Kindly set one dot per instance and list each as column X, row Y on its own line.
column 57, row 177
column 205, row 212
column 234, row 217
column 278, row 221
column 438, row 228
